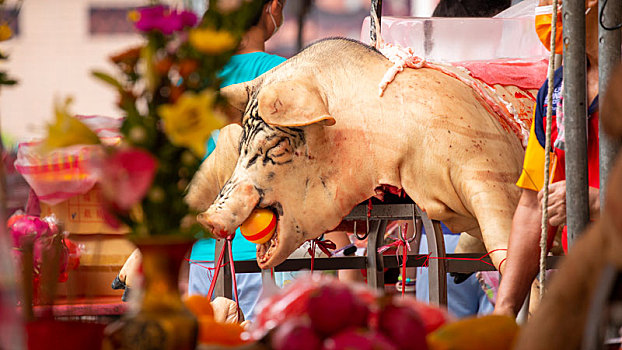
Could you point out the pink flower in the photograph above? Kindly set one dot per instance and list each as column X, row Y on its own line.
column 188, row 18
column 28, row 227
column 125, row 177
column 163, row 19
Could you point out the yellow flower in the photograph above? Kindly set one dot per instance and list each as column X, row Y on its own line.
column 5, row 32
column 212, row 41
column 189, row 122
column 133, row 16
column 67, row 130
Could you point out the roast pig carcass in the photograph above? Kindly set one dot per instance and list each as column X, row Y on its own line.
column 317, row 139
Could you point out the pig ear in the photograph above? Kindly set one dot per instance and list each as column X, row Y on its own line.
column 237, row 96
column 293, row 103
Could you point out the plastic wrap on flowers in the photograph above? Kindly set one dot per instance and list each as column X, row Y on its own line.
column 320, row 312
column 63, row 173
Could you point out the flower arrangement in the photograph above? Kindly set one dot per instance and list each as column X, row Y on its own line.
column 168, row 93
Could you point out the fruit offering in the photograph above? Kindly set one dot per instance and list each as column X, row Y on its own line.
column 211, row 330
column 319, row 312
column 491, row 332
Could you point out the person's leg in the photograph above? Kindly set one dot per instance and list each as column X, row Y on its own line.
column 198, row 278
column 249, row 291
column 249, row 286
column 463, row 299
column 341, row 239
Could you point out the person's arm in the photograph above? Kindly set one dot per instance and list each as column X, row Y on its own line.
column 521, row 265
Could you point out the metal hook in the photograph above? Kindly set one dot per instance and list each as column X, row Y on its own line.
column 356, row 234
column 403, row 235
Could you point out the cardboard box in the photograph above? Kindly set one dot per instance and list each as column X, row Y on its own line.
column 82, row 214
column 103, row 250
column 101, row 259
column 89, row 282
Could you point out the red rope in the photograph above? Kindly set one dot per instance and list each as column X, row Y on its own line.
column 401, row 242
column 216, row 271
column 208, row 268
column 324, row 245
column 227, row 246
column 481, row 258
column 235, row 283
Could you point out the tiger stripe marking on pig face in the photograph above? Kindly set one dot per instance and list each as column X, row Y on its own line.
column 265, row 143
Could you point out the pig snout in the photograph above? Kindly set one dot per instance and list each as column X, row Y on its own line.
column 233, row 205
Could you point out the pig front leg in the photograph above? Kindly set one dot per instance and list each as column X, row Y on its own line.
column 494, row 211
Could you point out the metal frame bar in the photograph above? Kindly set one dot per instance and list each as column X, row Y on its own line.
column 375, row 260
column 224, row 285
column 376, row 263
column 575, row 118
column 437, row 268
column 360, row 262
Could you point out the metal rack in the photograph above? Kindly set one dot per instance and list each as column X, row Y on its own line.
column 375, row 263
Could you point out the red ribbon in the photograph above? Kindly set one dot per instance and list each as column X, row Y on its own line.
column 481, row 258
column 324, row 246
column 218, row 265
column 400, row 242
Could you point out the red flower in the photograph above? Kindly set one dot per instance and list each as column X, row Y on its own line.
column 164, row 20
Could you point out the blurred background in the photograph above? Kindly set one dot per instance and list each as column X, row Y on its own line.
column 57, row 43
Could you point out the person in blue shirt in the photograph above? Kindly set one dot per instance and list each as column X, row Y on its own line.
column 249, row 62
column 465, row 298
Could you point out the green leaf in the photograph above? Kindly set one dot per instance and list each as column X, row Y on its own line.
column 107, row 79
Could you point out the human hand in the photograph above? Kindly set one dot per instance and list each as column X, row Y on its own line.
column 594, row 197
column 556, row 207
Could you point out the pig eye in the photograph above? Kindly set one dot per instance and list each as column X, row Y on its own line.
column 281, row 152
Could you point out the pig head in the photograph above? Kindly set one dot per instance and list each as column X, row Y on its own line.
column 317, row 140
column 279, row 168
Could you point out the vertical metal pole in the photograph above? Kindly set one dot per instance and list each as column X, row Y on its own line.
column 575, row 118
column 437, row 267
column 224, row 284
column 375, row 12
column 608, row 58
column 375, row 261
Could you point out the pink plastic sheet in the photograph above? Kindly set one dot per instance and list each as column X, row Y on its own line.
column 64, row 173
